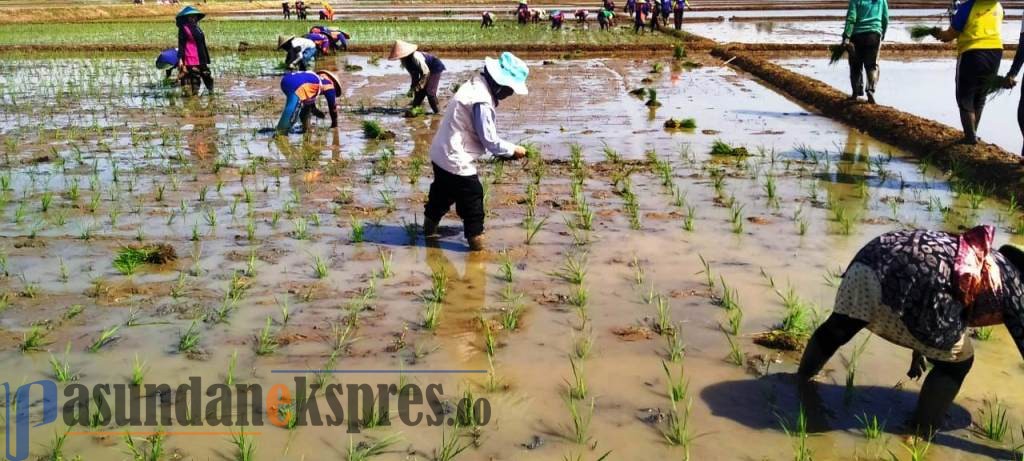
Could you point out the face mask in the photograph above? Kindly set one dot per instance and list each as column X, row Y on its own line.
column 503, row 92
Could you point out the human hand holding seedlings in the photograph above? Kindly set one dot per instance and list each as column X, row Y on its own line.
column 519, row 152
column 1009, row 82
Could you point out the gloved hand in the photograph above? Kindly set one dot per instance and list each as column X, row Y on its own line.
column 519, row 152
column 318, row 113
column 917, row 366
column 1009, row 82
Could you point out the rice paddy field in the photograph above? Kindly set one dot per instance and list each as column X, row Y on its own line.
column 619, row 312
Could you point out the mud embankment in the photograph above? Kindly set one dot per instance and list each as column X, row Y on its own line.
column 549, row 50
column 985, row 164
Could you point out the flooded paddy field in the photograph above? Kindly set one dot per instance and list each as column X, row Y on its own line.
column 620, row 250
column 925, row 87
column 824, row 31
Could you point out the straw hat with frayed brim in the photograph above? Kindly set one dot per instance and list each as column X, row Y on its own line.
column 283, row 39
column 508, row 70
column 402, row 49
column 333, row 78
column 190, row 11
column 1014, row 254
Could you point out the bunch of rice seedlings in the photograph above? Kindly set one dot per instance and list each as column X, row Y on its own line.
column 577, row 388
column 373, row 130
column 872, row 428
column 994, row 424
column 130, row 258
column 62, row 369
column 364, row 451
column 719, row 147
column 836, row 53
column 245, row 446
column 580, row 420
column 994, row 86
column 918, row 31
column 450, row 444
column 106, row 337
column 682, row 123
column 652, row 98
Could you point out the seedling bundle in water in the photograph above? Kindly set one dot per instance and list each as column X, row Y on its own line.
column 129, row 259
column 681, row 123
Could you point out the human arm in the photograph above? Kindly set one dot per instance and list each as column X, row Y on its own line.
column 956, row 23
column 181, row 47
column 487, row 133
column 851, row 19
column 421, row 63
column 1018, row 60
column 885, row 17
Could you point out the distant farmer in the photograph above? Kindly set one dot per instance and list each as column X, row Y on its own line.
column 630, row 6
column 301, row 51
column 424, row 69
column 338, row 39
column 976, row 27
column 638, row 16
column 1011, row 80
column 866, row 24
column 523, row 12
column 557, row 20
column 167, row 61
column 301, row 90
column 678, row 8
column 654, row 11
column 466, row 133
column 193, row 57
column 286, row 9
column 922, row 289
column 581, row 16
column 606, row 18
column 486, row 19
column 666, row 10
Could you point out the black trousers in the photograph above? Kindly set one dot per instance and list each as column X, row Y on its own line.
column 465, row 192
column 429, row 92
column 937, row 393
column 864, row 61
column 677, row 15
column 193, row 76
column 974, row 69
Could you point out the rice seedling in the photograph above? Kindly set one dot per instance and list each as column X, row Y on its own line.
column 245, row 445
column 681, row 124
column 677, row 385
column 582, row 345
column 677, row 427
column 917, row 449
column 229, row 378
column 836, row 53
column 56, row 450
column 580, row 418
column 982, row 333
column 675, row 348
column 364, row 451
column 533, row 226
column 106, row 337
column 386, row 270
column 130, row 258
column 266, row 343
column 490, row 341
column 663, row 319
column 688, row 219
column 735, row 355
column 994, row 423
column 432, row 314
column 801, row 450
column 62, row 271
column 506, row 267
column 573, row 270
column 45, row 200
column 709, row 277
column 320, row 269
column 438, row 285
column 358, row 230
column 652, row 98
column 852, row 363
column 153, row 451
column 62, row 368
column 300, row 229
column 510, row 315
column 577, row 388
column 451, row 446
column 189, row 339
column 798, row 317
column 33, row 340
column 870, row 426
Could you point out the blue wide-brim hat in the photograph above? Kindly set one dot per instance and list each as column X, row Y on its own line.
column 190, row 11
column 508, row 70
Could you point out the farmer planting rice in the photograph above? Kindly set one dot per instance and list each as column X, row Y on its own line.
column 338, row 39
column 167, row 61
column 921, row 290
column 976, row 26
column 300, row 51
column 557, row 19
column 486, row 19
column 194, row 58
column 466, row 133
column 866, row 24
column 323, row 44
column 606, row 18
column 424, row 69
column 301, row 90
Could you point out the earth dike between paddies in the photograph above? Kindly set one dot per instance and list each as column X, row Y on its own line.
column 988, row 165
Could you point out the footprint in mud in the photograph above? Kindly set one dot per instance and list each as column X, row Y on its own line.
column 534, row 443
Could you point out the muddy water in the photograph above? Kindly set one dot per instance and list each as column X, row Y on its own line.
column 818, row 31
column 926, row 87
column 814, row 162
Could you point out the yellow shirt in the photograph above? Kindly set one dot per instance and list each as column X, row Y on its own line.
column 983, row 28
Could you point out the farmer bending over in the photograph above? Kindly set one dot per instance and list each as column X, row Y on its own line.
column 486, row 19
column 167, row 61
column 976, row 27
column 194, row 59
column 606, row 18
column 921, row 289
column 424, row 69
column 557, row 19
column 302, row 89
column 301, row 51
column 866, row 24
column 467, row 132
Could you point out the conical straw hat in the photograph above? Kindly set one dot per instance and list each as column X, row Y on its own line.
column 401, row 50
